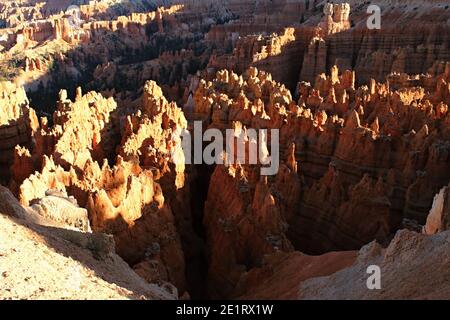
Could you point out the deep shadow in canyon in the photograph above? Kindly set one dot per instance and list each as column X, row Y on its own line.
column 174, row 79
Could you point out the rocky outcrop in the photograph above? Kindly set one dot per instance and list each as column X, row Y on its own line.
column 245, row 219
column 275, row 53
column 336, row 19
column 61, row 210
column 280, row 275
column 87, row 265
column 349, row 43
column 404, row 265
column 82, row 130
column 374, row 122
column 363, row 152
column 18, row 123
column 439, row 218
column 124, row 199
column 347, row 191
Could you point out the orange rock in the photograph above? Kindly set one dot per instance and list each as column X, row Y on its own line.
column 439, row 218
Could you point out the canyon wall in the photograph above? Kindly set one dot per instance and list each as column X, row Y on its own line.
column 125, row 199
column 18, row 122
column 358, row 163
column 364, row 140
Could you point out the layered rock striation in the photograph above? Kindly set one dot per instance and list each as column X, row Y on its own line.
column 122, row 198
column 364, row 143
column 350, row 167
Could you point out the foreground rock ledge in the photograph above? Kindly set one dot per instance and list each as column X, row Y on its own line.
column 39, row 262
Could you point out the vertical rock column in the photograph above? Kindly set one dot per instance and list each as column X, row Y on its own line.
column 17, row 124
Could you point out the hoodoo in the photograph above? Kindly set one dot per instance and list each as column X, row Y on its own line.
column 233, row 149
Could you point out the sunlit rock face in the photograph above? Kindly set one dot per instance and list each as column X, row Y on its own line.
column 123, row 199
column 93, row 101
column 439, row 218
column 18, row 123
column 350, row 176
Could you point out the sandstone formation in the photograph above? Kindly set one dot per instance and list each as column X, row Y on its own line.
column 280, row 275
column 291, row 39
column 56, row 207
column 328, row 34
column 51, row 263
column 123, row 200
column 93, row 99
column 405, row 269
column 345, row 189
column 18, row 122
column 438, row 219
column 405, row 266
column 340, row 275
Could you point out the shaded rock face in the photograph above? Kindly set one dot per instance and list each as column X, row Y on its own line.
column 405, row 272
column 255, row 228
column 350, row 168
column 63, row 211
column 124, row 199
column 364, row 139
column 86, row 263
column 334, row 190
column 282, row 273
column 116, row 52
column 336, row 34
column 17, row 125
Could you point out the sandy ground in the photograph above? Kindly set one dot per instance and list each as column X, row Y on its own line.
column 35, row 263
